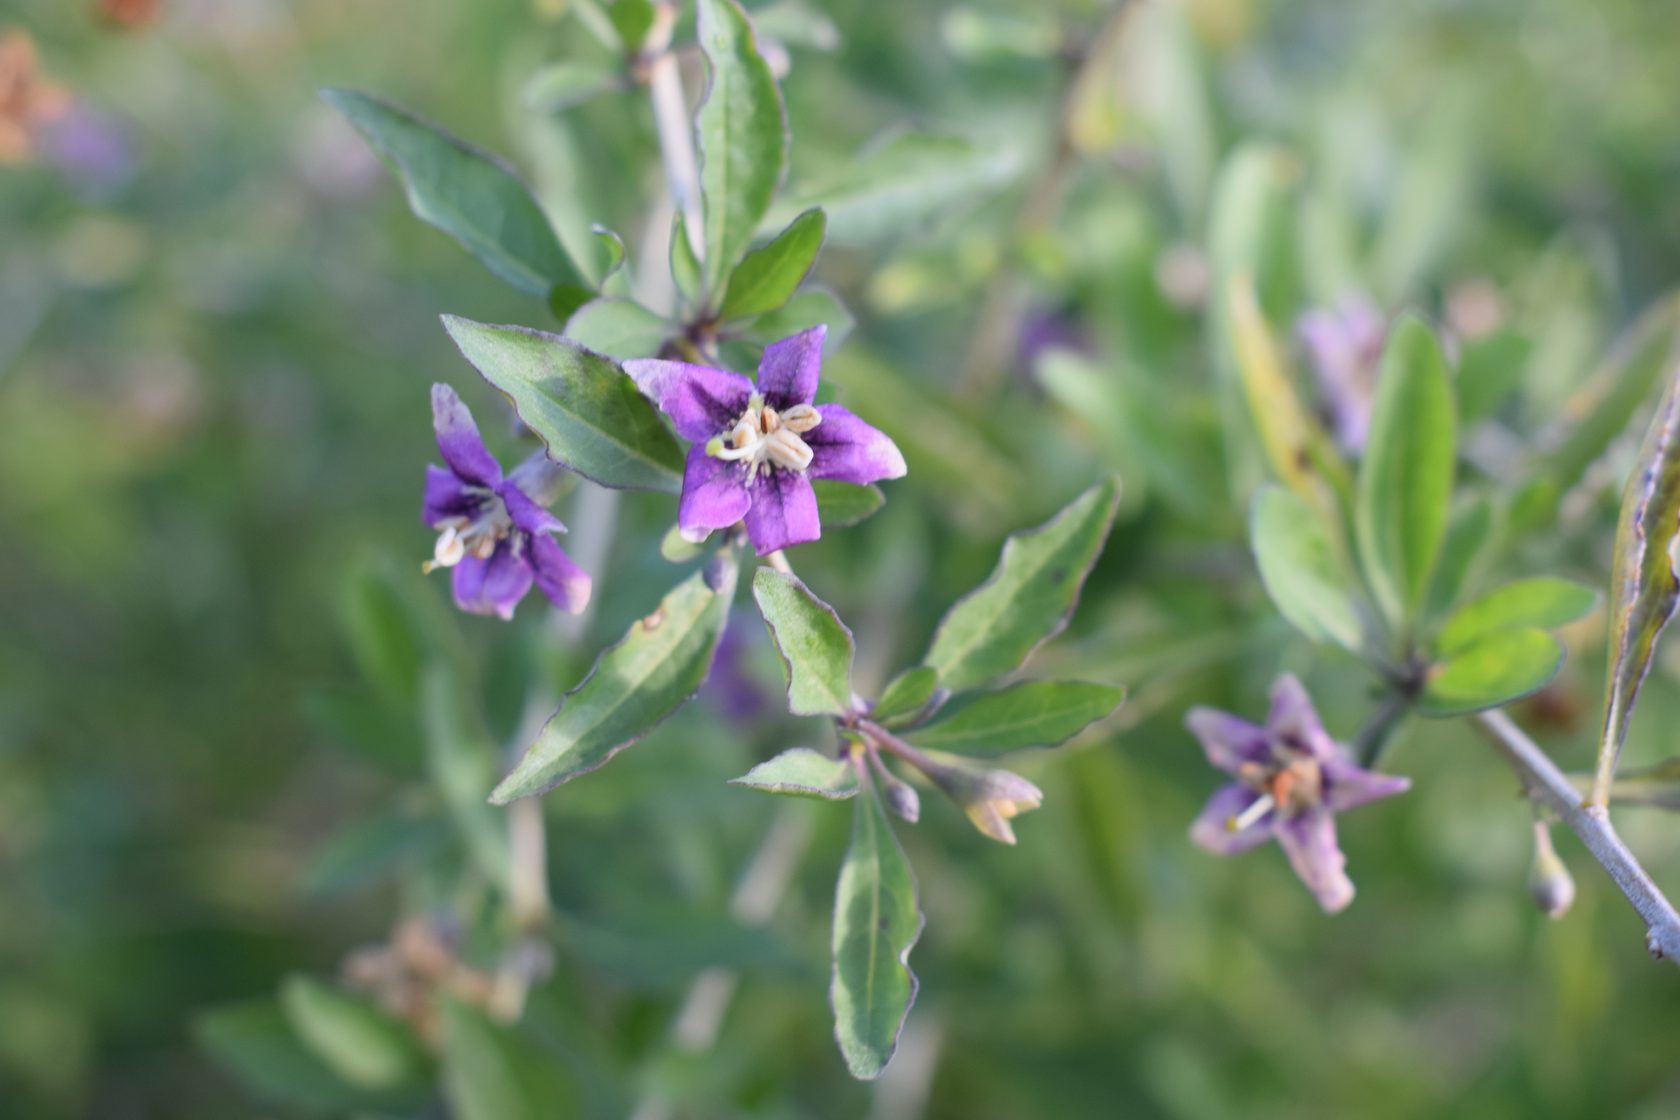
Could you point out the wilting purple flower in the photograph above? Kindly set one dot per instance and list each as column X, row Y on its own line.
column 493, row 530
column 1345, row 345
column 757, row 450
column 1292, row 780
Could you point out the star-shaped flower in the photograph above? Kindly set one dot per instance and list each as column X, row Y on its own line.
column 493, row 530
column 1292, row 780
column 757, row 449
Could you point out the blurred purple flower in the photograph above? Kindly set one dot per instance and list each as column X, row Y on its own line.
column 492, row 530
column 1345, row 345
column 93, row 150
column 730, row 684
column 757, row 450
column 1292, row 780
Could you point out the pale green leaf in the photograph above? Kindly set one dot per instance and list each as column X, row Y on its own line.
column 561, row 85
column 360, row 1043
column 619, row 328
column 495, row 1072
column 1028, row 714
column 842, row 504
column 815, row 645
column 255, row 1043
column 1500, row 668
column 1302, row 569
column 906, row 694
column 803, row 772
column 809, row 306
column 1543, row 604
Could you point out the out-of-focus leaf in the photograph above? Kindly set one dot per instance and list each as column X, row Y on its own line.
column 1502, row 667
column 685, row 266
column 584, row 407
column 815, row 645
column 677, row 548
column 1644, row 588
column 1029, row 595
column 1302, row 568
column 1489, row 370
column 631, row 19
column 876, row 924
column 808, row 307
column 1467, row 533
column 651, row 672
column 609, row 252
column 372, row 847
column 466, row 193
column 1543, row 604
column 1431, row 196
column 743, row 136
column 795, row 23
column 842, row 504
column 255, row 1042
column 620, row 328
column 561, row 85
column 768, row 276
column 906, row 693
column 803, row 772
column 369, row 726
column 1406, row 478
column 384, row 637
column 462, row 760
column 1656, row 786
column 1028, row 714
column 660, row 946
column 360, row 1043
column 492, row 1072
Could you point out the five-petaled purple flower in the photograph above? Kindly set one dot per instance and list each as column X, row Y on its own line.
column 493, row 530
column 757, row 450
column 1292, row 779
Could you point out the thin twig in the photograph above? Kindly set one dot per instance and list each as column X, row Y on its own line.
column 1545, row 783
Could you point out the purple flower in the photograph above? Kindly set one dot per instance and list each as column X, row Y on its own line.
column 1292, row 780
column 1345, row 344
column 757, row 450
column 492, row 530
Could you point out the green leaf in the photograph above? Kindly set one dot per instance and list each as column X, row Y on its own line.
column 584, row 407
column 492, row 1072
column 561, row 85
column 371, row 848
column 808, row 307
column 1656, row 786
column 815, row 645
column 876, row 924
column 360, row 1043
column 650, row 673
column 767, row 277
column 1467, row 533
column 1490, row 369
column 620, row 328
column 1544, row 604
column 1644, row 588
column 1029, row 596
column 632, row 20
column 256, row 1044
column 841, row 504
column 803, row 772
column 743, row 136
column 678, row 549
column 906, row 693
column 466, row 193
column 1503, row 667
column 462, row 760
column 1406, row 479
column 1301, row 569
column 685, row 266
column 1028, row 714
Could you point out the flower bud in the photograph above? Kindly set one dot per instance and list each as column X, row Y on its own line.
column 991, row 798
column 905, row 803
column 1549, row 882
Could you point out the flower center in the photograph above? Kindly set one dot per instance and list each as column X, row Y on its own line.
column 459, row 536
column 764, row 438
column 1293, row 785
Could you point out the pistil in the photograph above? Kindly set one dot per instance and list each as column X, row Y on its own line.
column 763, row 438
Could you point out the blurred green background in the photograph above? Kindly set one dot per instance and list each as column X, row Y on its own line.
column 217, row 332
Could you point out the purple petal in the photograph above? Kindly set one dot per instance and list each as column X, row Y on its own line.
column 1310, row 841
column 783, row 512
column 1228, row 740
column 789, row 371
column 527, row 515
column 566, row 585
column 702, row 402
column 1293, row 720
column 714, row 494
column 846, row 449
column 493, row 586
column 458, row 439
column 1346, row 786
column 1212, row 829
column 447, row 496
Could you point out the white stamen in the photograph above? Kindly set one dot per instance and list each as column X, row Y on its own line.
column 763, row 438
column 459, row 537
column 1251, row 814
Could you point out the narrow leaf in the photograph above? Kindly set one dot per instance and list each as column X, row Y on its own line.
column 1301, row 570
column 466, row 193
column 685, row 266
column 1028, row 598
column 743, row 136
column 840, row 504
column 876, row 924
column 1500, row 668
column 462, row 761
column 256, row 1044
column 1461, row 553
column 582, row 405
column 652, row 671
column 906, row 693
column 360, row 1043
column 493, row 1072
column 815, row 645
column 803, row 772
column 1029, row 714
column 767, row 277
column 620, row 328
column 561, row 85
column 1406, row 479
column 1544, row 604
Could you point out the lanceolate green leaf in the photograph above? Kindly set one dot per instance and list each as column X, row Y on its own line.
column 621, row 328
column 1544, row 604
column 1029, row 714
column 743, row 136
column 815, row 645
column 843, row 503
column 1301, row 569
column 463, row 765
column 1643, row 586
column 582, row 405
column 466, row 193
column 1406, row 479
column 360, row 1043
column 906, row 694
column 1500, row 668
column 767, row 277
column 633, row 686
column 876, row 924
column 495, row 1072
column 1029, row 596
column 803, row 772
